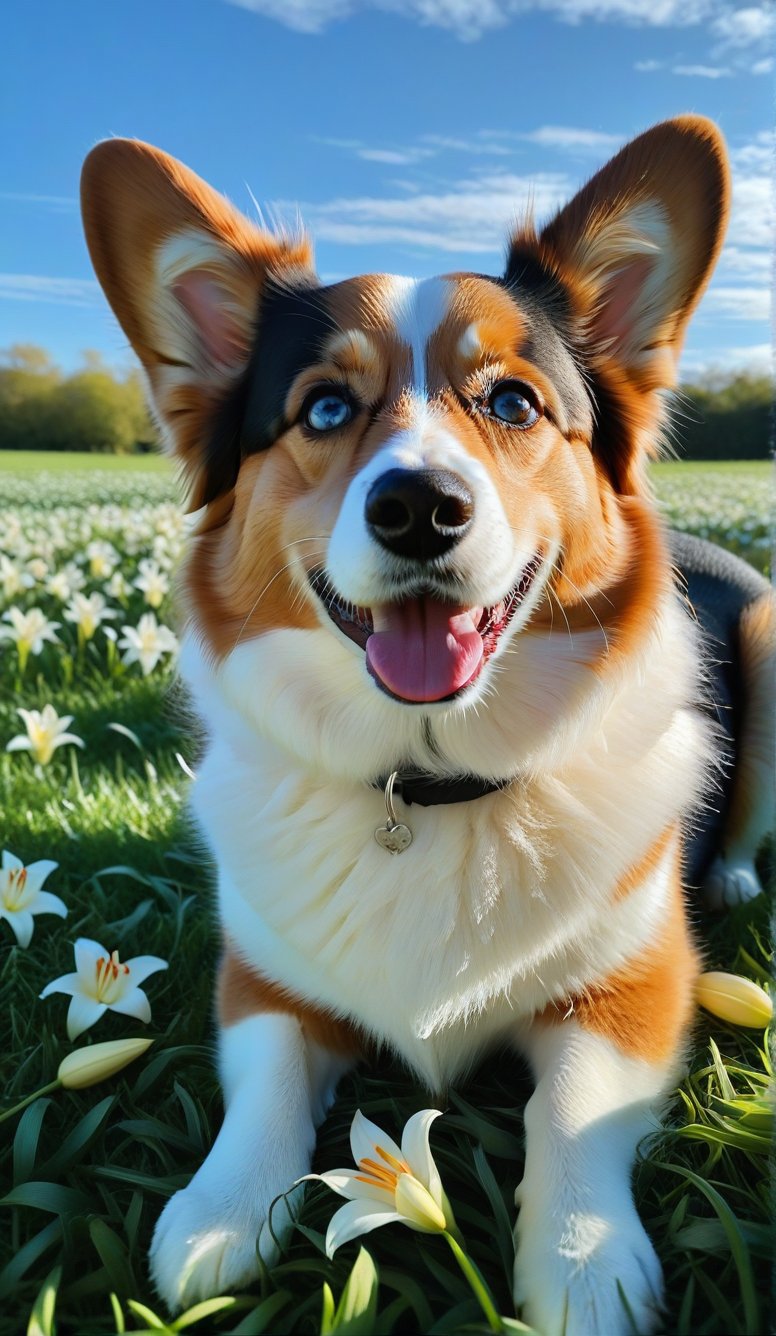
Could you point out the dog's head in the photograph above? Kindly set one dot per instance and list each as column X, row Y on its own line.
column 412, row 489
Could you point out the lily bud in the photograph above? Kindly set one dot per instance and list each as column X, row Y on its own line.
column 735, row 999
column 87, row 1066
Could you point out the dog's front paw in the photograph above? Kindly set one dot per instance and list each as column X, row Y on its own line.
column 587, row 1276
column 204, row 1246
column 730, row 882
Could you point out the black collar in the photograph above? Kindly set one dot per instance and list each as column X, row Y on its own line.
column 413, row 786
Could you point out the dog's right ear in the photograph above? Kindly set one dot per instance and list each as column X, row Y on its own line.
column 184, row 273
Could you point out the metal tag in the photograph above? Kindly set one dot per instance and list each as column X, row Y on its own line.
column 394, row 836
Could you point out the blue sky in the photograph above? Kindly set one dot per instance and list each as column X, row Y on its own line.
column 406, row 132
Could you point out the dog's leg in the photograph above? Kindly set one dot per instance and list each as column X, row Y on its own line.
column 732, row 877
column 279, row 1070
column 582, row 1252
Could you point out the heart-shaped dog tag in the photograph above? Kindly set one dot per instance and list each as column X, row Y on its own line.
column 394, row 838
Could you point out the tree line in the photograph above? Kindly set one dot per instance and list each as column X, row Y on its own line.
column 723, row 415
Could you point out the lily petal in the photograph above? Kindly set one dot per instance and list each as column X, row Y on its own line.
column 358, row 1217
column 87, row 953
column 82, row 1014
column 66, row 983
column 37, row 873
column 142, row 966
column 22, row 923
column 348, row 1184
column 19, row 743
column 133, row 1003
column 47, row 903
column 366, row 1136
column 416, row 1151
column 11, row 861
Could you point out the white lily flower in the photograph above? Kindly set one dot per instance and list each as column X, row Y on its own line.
column 153, row 582
column 103, row 559
column 45, row 732
column 390, row 1183
column 118, row 586
column 66, row 582
column 88, row 613
column 12, row 579
column 102, row 981
column 21, row 896
column 29, row 630
column 147, row 642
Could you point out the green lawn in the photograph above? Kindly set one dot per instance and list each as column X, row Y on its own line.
column 87, row 1172
column 29, row 463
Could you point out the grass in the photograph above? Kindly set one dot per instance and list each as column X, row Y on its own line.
column 86, row 1173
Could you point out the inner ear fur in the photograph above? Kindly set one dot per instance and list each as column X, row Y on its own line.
column 632, row 253
column 183, row 271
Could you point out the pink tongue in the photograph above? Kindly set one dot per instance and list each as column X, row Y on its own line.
column 424, row 650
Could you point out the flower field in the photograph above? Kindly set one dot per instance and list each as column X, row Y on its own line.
column 105, row 908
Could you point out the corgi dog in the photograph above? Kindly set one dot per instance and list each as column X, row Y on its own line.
column 449, row 688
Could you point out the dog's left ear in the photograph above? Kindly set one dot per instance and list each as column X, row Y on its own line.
column 635, row 248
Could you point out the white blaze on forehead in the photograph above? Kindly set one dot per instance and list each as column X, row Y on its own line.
column 417, row 308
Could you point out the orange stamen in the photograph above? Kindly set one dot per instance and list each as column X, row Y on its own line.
column 398, row 1165
column 379, row 1171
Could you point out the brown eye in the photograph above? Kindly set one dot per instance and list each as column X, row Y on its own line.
column 513, row 403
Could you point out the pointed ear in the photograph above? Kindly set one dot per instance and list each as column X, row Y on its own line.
column 636, row 246
column 184, row 273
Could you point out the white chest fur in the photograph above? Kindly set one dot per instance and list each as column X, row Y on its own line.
column 498, row 905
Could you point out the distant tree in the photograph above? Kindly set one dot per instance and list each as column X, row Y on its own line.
column 724, row 415
column 93, row 409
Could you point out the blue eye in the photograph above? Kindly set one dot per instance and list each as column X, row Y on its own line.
column 513, row 403
column 327, row 410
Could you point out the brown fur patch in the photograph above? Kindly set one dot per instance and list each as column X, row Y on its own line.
column 638, row 873
column 646, row 1007
column 241, row 992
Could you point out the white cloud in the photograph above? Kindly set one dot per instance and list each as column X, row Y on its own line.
column 392, row 157
column 41, row 288
column 702, row 71
column 59, row 203
column 763, row 66
column 649, row 66
column 755, row 357
column 469, row 19
column 739, row 28
column 736, row 303
column 569, row 138
column 473, row 218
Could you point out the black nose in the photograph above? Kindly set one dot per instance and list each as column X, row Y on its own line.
column 419, row 513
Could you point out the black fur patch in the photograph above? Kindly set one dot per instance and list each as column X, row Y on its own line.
column 291, row 326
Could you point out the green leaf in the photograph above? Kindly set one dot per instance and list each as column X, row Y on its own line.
column 25, row 1143
column 153, row 1322
column 327, row 1310
column 500, row 1213
column 493, row 1139
column 114, row 1258
column 78, row 1140
column 260, row 1317
column 202, row 1310
column 118, row 1315
column 42, row 1321
column 736, row 1241
column 357, row 1308
column 48, row 1197
column 21, row 1262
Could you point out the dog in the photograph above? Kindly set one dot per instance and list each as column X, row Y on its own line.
column 449, row 688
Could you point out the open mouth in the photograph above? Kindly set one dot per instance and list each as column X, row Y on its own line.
column 424, row 648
